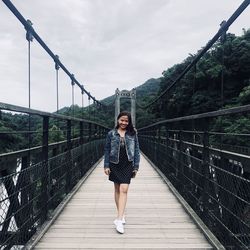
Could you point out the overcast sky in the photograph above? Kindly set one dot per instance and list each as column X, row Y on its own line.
column 106, row 44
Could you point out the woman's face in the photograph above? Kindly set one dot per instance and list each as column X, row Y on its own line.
column 123, row 122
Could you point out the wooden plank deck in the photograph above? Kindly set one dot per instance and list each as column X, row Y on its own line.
column 155, row 218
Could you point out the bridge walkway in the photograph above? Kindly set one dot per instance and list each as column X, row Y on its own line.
column 155, row 217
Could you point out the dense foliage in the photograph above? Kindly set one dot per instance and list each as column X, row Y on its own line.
column 201, row 90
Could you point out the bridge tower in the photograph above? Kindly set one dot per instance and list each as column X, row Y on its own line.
column 125, row 94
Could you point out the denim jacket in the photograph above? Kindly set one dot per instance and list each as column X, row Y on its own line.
column 112, row 148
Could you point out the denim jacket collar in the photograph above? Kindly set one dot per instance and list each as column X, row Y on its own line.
column 117, row 133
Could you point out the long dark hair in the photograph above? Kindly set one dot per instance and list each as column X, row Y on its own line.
column 130, row 128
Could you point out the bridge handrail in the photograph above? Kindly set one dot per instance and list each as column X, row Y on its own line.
column 200, row 146
column 15, row 108
column 222, row 112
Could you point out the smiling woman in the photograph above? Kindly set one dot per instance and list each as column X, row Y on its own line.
column 121, row 162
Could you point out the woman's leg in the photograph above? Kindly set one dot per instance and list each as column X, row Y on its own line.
column 122, row 199
column 117, row 195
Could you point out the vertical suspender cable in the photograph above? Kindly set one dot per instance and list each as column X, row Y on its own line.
column 82, row 100
column 57, row 92
column 57, row 67
column 29, row 99
column 222, row 40
column 29, row 38
column 89, row 108
column 29, row 72
column 194, row 82
column 57, row 101
column 73, row 96
column 94, row 109
column 222, row 77
column 73, row 100
column 194, row 79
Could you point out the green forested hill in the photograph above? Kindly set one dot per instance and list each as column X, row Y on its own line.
column 200, row 90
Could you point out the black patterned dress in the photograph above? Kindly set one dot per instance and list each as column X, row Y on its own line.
column 121, row 172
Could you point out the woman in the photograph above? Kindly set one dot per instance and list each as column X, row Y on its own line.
column 121, row 162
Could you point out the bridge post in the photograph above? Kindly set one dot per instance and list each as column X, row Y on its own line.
column 205, row 171
column 95, row 137
column 95, row 131
column 133, row 105
column 81, row 144
column 151, row 134
column 91, row 136
column 69, row 158
column 81, row 133
column 90, row 132
column 98, row 132
column 45, row 181
column 117, row 104
column 180, row 159
column 167, row 169
column 156, row 148
column 26, row 195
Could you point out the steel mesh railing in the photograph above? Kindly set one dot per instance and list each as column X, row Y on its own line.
column 34, row 181
column 211, row 175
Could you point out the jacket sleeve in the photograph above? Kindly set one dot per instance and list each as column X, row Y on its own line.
column 137, row 154
column 107, row 151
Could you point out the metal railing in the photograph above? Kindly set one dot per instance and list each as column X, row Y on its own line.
column 209, row 167
column 35, row 180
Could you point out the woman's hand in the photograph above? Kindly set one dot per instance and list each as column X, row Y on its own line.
column 134, row 173
column 107, row 171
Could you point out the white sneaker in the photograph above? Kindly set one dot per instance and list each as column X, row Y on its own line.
column 123, row 220
column 119, row 226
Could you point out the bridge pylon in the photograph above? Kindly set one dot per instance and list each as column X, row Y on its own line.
column 125, row 94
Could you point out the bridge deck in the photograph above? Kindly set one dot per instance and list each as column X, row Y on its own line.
column 155, row 218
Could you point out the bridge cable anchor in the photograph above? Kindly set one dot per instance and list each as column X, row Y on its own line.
column 224, row 31
column 57, row 62
column 28, row 27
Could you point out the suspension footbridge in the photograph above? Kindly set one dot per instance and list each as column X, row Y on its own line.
column 192, row 190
